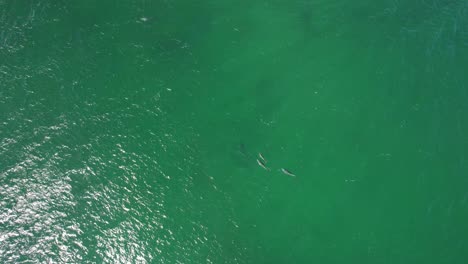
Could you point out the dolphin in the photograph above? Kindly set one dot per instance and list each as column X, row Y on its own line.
column 262, row 158
column 262, row 164
column 287, row 172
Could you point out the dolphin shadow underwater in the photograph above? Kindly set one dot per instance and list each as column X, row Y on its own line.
column 241, row 157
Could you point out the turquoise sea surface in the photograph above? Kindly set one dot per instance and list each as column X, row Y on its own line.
column 140, row 131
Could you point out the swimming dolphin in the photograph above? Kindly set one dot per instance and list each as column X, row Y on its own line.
column 262, row 164
column 262, row 158
column 285, row 171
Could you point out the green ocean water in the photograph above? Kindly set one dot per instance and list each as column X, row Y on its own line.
column 130, row 131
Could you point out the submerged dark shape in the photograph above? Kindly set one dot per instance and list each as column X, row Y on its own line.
column 243, row 149
column 241, row 155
